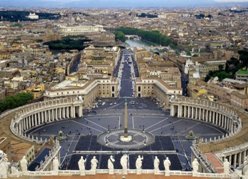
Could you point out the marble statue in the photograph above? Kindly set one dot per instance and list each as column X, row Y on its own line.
column 156, row 165
column 14, row 171
column 24, row 164
column 195, row 166
column 111, row 161
column 124, row 160
column 226, row 167
column 138, row 164
column 94, row 163
column 56, row 165
column 167, row 165
column 81, row 166
column 4, row 165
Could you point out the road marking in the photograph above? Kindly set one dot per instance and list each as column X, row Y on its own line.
column 87, row 126
column 165, row 125
column 119, row 122
column 156, row 123
column 96, row 124
column 48, row 124
column 133, row 121
column 68, row 150
column 187, row 129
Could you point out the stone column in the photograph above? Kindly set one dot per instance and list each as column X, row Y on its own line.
column 220, row 120
column 235, row 161
column 46, row 116
column 225, row 122
column 24, row 124
column 21, row 128
column 192, row 112
column 56, row 114
column 231, row 126
column 217, row 119
column 20, row 123
column 228, row 124
column 29, row 122
column 172, row 110
column 240, row 158
column 214, row 117
column 59, row 113
column 189, row 110
column 80, row 112
column 210, row 117
column 52, row 115
column 243, row 157
column 185, row 111
column 34, row 119
column 67, row 112
column 42, row 117
column 18, row 128
column 49, row 115
column 200, row 114
column 63, row 113
column 196, row 113
column 39, row 118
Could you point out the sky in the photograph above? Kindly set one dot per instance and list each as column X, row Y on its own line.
column 114, row 3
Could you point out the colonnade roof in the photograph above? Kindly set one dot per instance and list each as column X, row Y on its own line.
column 16, row 146
column 236, row 140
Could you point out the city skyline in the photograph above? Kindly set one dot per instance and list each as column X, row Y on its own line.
column 119, row 3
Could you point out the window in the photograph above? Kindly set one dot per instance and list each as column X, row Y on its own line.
column 113, row 88
column 139, row 89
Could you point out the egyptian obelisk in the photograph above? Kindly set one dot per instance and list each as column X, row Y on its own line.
column 125, row 120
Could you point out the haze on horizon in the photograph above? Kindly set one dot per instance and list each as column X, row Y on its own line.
column 116, row 3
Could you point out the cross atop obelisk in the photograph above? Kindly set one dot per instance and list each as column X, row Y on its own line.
column 125, row 120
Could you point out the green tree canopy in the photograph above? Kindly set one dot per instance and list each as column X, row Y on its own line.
column 17, row 100
column 151, row 36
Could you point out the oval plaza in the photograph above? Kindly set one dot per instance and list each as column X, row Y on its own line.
column 125, row 125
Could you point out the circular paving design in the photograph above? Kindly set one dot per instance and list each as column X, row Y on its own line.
column 139, row 140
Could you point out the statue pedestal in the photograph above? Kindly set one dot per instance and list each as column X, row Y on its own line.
column 111, row 171
column 124, row 171
column 126, row 138
column 194, row 174
column 167, row 173
column 156, row 172
column 139, row 171
column 56, row 172
column 92, row 172
column 82, row 173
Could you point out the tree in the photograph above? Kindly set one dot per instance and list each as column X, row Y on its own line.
column 243, row 57
column 17, row 100
column 221, row 67
column 120, row 36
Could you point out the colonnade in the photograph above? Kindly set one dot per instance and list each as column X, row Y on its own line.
column 236, row 158
column 216, row 117
column 215, row 114
column 41, row 113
